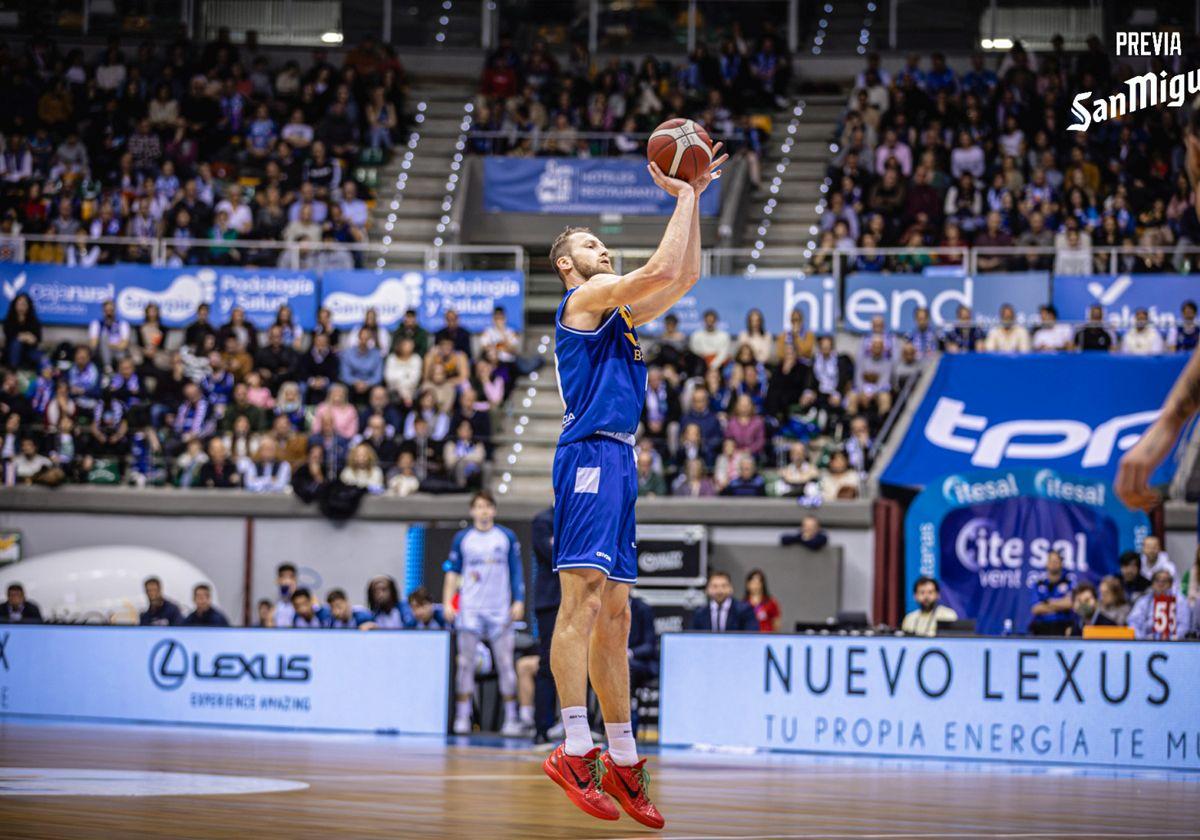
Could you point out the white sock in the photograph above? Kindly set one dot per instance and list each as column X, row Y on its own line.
column 526, row 713
column 462, row 710
column 579, row 734
column 510, row 710
column 621, row 744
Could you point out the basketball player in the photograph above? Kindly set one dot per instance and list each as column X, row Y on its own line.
column 1133, row 476
column 486, row 559
column 602, row 379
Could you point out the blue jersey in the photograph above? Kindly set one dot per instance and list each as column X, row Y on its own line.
column 601, row 376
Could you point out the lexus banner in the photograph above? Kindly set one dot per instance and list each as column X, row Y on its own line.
column 295, row 679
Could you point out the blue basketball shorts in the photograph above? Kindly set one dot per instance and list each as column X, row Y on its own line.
column 595, row 491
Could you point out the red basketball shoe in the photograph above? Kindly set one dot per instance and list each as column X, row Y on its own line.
column 579, row 776
column 628, row 786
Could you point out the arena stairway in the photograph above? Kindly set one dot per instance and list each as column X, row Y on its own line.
column 415, row 211
column 844, row 23
column 528, row 426
column 794, row 214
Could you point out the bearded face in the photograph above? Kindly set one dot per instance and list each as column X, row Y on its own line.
column 589, row 256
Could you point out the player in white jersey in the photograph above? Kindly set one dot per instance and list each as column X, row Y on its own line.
column 486, row 560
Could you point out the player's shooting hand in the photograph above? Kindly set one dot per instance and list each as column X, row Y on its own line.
column 673, row 186
column 1133, row 476
column 517, row 610
column 448, row 612
column 712, row 172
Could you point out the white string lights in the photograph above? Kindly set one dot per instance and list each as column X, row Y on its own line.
column 785, row 149
column 410, row 151
column 456, row 165
column 514, row 454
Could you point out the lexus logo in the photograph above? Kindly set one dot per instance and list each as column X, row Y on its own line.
column 168, row 664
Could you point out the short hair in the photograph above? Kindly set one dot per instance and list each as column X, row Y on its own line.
column 200, row 586
column 561, row 245
column 716, row 573
column 924, row 579
column 1080, row 588
column 711, row 312
column 286, row 567
column 301, row 591
column 500, row 310
column 150, row 580
column 1188, row 303
column 1163, row 571
column 16, row 587
column 1050, row 307
column 420, row 596
column 1130, row 558
column 336, row 595
column 485, row 496
column 411, row 312
column 263, row 602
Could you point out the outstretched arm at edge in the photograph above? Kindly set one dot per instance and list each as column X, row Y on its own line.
column 1133, row 477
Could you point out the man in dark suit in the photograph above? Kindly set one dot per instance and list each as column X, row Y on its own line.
column 16, row 610
column 205, row 614
column 547, row 593
column 723, row 613
column 161, row 612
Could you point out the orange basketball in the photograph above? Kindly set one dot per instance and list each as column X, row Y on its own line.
column 681, row 148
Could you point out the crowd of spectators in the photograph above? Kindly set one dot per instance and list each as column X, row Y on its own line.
column 1097, row 333
column 788, row 415
column 530, row 103
column 937, row 156
column 1148, row 596
column 762, row 415
column 264, row 411
column 188, row 142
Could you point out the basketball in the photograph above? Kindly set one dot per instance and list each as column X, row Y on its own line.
column 681, row 148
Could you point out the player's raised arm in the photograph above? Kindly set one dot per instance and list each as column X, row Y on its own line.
column 1133, row 476
column 656, row 304
column 604, row 292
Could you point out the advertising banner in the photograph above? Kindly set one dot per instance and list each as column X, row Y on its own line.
column 580, row 186
column 985, row 537
column 898, row 296
column 72, row 296
column 1102, row 704
column 1122, row 295
column 472, row 294
column 672, row 555
column 296, row 679
column 1075, row 413
column 732, row 297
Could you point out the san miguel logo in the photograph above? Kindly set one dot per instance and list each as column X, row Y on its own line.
column 1148, row 90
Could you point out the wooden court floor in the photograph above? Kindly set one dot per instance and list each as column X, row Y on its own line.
column 401, row 787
